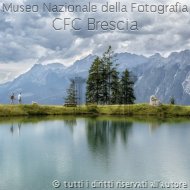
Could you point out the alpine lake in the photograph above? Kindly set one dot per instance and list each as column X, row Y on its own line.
column 108, row 152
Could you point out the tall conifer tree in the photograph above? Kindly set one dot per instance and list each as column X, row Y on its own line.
column 115, row 87
column 71, row 93
column 94, row 82
column 107, row 60
column 127, row 92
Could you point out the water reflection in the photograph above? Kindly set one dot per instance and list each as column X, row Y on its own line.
column 35, row 151
column 15, row 127
column 153, row 126
column 102, row 132
column 70, row 122
column 12, row 129
column 19, row 128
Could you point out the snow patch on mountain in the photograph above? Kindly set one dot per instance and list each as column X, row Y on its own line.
column 186, row 84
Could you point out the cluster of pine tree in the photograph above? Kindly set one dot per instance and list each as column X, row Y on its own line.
column 104, row 84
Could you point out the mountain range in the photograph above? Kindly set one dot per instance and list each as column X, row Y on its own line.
column 156, row 75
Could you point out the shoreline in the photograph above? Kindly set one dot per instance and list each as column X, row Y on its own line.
column 163, row 111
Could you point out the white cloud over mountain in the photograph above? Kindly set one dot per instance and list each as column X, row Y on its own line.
column 29, row 38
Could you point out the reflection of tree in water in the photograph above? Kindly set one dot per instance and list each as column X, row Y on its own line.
column 71, row 122
column 121, row 128
column 103, row 133
column 98, row 134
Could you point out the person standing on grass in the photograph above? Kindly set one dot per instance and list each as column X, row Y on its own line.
column 12, row 97
column 20, row 98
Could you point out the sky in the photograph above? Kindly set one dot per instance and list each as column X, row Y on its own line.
column 29, row 38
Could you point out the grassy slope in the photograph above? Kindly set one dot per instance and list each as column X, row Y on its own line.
column 130, row 110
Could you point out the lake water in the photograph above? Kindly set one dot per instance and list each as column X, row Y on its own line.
column 105, row 152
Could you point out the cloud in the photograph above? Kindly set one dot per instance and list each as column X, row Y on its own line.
column 30, row 36
column 10, row 71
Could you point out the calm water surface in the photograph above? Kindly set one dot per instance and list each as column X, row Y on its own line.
column 35, row 152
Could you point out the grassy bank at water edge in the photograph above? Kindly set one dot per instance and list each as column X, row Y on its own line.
column 128, row 110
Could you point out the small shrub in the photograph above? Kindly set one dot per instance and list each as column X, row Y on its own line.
column 172, row 101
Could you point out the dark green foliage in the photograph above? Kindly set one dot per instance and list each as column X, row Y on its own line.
column 71, row 93
column 104, row 91
column 104, row 85
column 94, row 82
column 115, row 87
column 108, row 69
column 172, row 101
column 127, row 92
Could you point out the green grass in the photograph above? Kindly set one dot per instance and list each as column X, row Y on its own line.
column 128, row 110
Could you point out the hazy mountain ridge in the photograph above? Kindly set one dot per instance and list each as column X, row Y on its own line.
column 164, row 77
